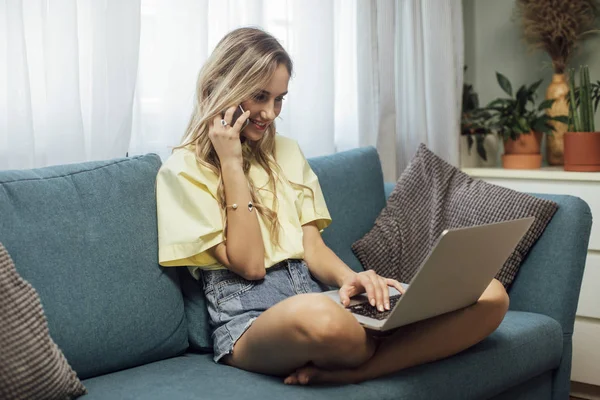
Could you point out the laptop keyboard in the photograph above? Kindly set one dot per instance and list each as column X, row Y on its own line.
column 367, row 310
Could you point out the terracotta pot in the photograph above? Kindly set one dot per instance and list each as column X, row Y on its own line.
column 527, row 143
column 582, row 151
column 558, row 90
column 523, row 153
column 521, row 161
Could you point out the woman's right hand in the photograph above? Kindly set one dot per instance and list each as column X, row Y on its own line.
column 226, row 139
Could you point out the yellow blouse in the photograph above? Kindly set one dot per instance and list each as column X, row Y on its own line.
column 190, row 219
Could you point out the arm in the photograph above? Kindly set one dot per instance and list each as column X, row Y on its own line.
column 322, row 262
column 243, row 251
column 328, row 268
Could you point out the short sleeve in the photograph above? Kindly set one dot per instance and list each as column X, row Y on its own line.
column 189, row 216
column 313, row 206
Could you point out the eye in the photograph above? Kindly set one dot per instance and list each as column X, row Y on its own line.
column 260, row 97
column 279, row 99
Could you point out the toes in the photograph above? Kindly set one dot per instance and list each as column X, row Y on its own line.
column 303, row 379
column 308, row 374
column 292, row 379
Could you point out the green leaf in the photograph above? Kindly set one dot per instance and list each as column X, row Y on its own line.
column 499, row 102
column 470, row 142
column 560, row 118
column 521, row 95
column 585, row 118
column 523, row 125
column 516, row 128
column 572, row 102
column 504, row 83
column 591, row 127
column 535, row 86
column 541, row 125
column 546, row 104
column 480, row 148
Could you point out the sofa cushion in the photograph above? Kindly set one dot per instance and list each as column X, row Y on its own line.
column 196, row 313
column 31, row 365
column 85, row 237
column 431, row 196
column 352, row 184
column 524, row 346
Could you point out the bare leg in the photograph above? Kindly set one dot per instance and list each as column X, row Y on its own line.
column 422, row 342
column 308, row 328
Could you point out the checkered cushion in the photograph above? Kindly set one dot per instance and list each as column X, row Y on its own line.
column 31, row 365
column 431, row 196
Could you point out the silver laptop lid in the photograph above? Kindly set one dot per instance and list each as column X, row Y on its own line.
column 458, row 270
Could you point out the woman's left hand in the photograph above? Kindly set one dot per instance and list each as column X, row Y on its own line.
column 375, row 286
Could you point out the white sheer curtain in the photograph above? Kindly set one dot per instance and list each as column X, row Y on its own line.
column 96, row 79
column 410, row 78
column 321, row 108
column 66, row 80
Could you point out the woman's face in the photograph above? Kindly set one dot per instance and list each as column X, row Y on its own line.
column 265, row 106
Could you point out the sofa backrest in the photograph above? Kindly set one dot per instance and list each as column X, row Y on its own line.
column 352, row 183
column 84, row 235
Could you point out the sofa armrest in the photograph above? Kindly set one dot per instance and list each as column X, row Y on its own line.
column 389, row 187
column 549, row 280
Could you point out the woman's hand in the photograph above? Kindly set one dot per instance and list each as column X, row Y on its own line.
column 374, row 285
column 226, row 139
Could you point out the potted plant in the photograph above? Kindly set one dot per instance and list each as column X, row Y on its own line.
column 521, row 124
column 582, row 141
column 558, row 27
column 475, row 128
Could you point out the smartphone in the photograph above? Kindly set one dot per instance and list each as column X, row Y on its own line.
column 238, row 113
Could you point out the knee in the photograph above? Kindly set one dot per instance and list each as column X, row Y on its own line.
column 321, row 321
column 495, row 304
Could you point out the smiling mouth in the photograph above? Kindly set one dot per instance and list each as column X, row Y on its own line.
column 259, row 125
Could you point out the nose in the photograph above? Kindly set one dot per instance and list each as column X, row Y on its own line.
column 268, row 113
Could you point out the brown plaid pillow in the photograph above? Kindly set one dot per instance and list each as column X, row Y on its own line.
column 432, row 195
column 31, row 364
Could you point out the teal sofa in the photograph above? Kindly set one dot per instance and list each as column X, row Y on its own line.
column 84, row 235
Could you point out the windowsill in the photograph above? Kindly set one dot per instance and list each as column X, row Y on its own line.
column 544, row 173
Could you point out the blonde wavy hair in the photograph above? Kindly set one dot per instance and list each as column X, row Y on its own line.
column 239, row 68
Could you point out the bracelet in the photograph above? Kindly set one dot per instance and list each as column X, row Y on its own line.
column 234, row 206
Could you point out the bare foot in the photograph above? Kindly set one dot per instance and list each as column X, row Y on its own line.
column 310, row 375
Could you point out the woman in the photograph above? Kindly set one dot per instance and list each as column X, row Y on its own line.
column 241, row 207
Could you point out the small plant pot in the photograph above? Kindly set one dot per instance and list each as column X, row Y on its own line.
column 582, row 151
column 522, row 161
column 526, row 143
column 523, row 153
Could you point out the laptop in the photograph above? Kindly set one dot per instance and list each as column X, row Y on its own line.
column 454, row 275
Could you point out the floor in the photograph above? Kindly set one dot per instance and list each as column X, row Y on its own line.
column 582, row 391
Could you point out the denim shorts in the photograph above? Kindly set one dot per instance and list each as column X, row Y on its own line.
column 234, row 303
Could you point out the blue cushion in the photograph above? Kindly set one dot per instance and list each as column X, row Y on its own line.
column 524, row 346
column 196, row 312
column 84, row 235
column 352, row 183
